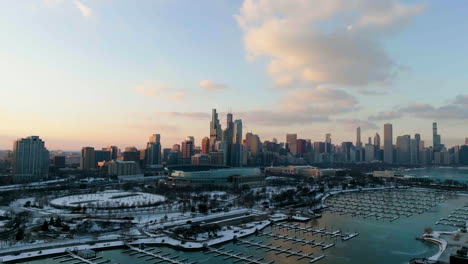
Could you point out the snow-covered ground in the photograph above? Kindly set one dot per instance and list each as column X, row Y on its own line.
column 109, row 199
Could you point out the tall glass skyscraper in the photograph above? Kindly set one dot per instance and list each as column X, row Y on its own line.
column 388, row 143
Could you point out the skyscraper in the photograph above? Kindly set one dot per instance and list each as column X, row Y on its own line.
column 328, row 142
column 215, row 129
column 30, row 159
column 377, row 141
column 237, row 137
column 414, row 151
column 403, row 148
column 153, row 150
column 237, row 148
column 358, row 137
column 186, row 149
column 291, row 140
column 88, row 158
column 388, row 143
column 417, row 138
column 114, row 152
column 466, row 141
column 436, row 141
column 205, row 147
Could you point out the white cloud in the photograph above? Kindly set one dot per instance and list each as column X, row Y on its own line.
column 85, row 11
column 456, row 109
column 306, row 45
column 386, row 115
column 155, row 88
column 319, row 101
column 212, row 86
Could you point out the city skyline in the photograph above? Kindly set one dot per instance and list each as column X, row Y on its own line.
column 115, row 80
column 157, row 137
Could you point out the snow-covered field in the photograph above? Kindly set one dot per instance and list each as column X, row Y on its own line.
column 108, row 199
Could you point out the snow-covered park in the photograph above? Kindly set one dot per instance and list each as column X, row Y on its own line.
column 108, row 199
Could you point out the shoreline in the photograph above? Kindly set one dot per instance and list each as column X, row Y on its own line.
column 160, row 240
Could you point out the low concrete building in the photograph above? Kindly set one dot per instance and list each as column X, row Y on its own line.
column 203, row 175
column 384, row 174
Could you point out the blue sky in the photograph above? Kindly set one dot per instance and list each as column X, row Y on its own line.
column 107, row 72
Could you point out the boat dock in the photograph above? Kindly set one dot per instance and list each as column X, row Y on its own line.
column 149, row 255
column 321, row 231
column 298, row 240
column 74, row 258
column 238, row 257
column 457, row 218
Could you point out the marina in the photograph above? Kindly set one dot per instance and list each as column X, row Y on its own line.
column 156, row 255
column 389, row 204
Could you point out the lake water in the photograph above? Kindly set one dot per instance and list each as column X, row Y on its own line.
column 448, row 173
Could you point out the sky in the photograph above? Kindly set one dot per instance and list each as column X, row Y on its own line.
column 113, row 72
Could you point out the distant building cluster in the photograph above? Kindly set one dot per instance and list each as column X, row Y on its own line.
column 230, row 147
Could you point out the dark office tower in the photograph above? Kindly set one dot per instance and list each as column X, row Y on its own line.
column 153, row 150
column 436, row 141
column 165, row 154
column 101, row 155
column 388, row 143
column 403, row 149
column 358, row 137
column 417, row 138
column 346, row 150
column 328, row 143
column 463, row 155
column 237, row 148
column 175, row 148
column 205, row 147
column 59, row 162
column 377, row 141
column 237, row 136
column 131, row 154
column 88, row 158
column 114, row 152
column 215, row 129
column 301, row 146
column 30, row 159
column 229, row 122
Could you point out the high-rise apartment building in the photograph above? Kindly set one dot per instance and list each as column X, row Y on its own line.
column 153, row 150
column 88, row 158
column 291, row 140
column 187, row 149
column 30, row 159
column 388, row 143
column 205, row 147
column 369, row 152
